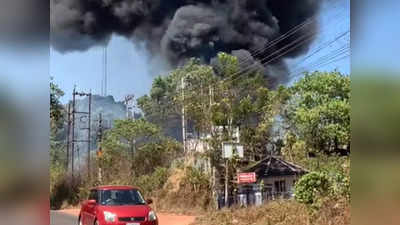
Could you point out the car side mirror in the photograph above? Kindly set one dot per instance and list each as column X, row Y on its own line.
column 149, row 201
column 92, row 202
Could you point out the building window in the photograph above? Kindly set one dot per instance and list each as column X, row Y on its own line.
column 280, row 186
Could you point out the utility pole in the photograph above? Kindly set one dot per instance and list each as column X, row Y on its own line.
column 73, row 139
column 104, row 75
column 105, row 71
column 73, row 133
column 79, row 162
column 183, row 114
column 89, row 138
column 214, row 195
column 99, row 151
column 68, row 134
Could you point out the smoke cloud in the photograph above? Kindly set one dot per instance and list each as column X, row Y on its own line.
column 180, row 29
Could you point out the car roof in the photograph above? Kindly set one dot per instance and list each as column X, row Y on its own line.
column 115, row 187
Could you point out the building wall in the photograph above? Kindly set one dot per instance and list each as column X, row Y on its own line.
column 288, row 180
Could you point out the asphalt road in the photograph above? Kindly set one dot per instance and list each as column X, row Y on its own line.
column 58, row 218
column 69, row 217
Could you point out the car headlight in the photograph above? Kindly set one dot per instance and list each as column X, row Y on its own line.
column 110, row 217
column 152, row 216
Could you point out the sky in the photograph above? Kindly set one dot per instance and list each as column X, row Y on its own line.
column 129, row 70
column 127, row 67
column 328, row 52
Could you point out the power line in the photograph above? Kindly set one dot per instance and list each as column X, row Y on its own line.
column 249, row 68
column 323, row 46
column 289, row 47
column 340, row 54
column 242, row 72
column 259, row 51
column 286, row 35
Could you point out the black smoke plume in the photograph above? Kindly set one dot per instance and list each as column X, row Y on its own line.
column 181, row 29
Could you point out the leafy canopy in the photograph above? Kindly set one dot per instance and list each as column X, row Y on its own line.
column 318, row 112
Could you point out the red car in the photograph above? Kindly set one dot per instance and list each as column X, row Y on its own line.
column 117, row 205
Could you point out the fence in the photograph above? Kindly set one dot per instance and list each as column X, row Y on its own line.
column 252, row 197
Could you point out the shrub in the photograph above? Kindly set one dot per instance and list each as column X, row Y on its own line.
column 64, row 191
column 154, row 181
column 341, row 185
column 311, row 187
column 196, row 179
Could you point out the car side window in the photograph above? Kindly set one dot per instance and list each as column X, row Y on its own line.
column 93, row 195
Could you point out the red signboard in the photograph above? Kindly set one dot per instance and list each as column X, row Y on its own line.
column 246, row 178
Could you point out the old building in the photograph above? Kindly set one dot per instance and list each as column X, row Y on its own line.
column 276, row 178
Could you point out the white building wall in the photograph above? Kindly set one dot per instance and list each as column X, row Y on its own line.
column 289, row 182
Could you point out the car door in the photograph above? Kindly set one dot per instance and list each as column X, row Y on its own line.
column 91, row 208
column 84, row 211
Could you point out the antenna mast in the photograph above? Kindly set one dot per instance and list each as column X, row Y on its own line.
column 104, row 75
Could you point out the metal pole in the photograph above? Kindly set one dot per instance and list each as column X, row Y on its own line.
column 105, row 70
column 73, row 132
column 79, row 162
column 102, row 75
column 68, row 134
column 89, row 124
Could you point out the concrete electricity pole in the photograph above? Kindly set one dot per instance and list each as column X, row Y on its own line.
column 68, row 134
column 89, row 133
column 183, row 114
column 99, row 151
column 73, row 134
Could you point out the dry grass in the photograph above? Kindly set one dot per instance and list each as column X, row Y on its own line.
column 178, row 197
column 281, row 213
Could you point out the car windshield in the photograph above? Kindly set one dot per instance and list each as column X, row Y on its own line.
column 121, row 197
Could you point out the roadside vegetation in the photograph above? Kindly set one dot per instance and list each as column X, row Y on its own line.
column 307, row 123
column 287, row 212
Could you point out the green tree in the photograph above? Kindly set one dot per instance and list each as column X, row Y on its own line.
column 57, row 119
column 159, row 106
column 195, row 94
column 56, row 108
column 160, row 153
column 59, row 191
column 133, row 148
column 318, row 113
column 129, row 135
column 266, row 108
